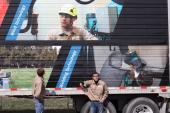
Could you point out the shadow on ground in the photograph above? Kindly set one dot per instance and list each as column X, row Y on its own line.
column 46, row 111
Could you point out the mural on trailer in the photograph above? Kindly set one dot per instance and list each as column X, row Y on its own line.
column 128, row 20
column 70, row 65
column 139, row 29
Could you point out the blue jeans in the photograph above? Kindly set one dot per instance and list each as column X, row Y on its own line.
column 39, row 105
column 96, row 107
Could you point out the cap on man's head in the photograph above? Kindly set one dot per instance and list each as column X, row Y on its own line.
column 68, row 9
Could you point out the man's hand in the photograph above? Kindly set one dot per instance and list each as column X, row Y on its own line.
column 81, row 85
column 101, row 100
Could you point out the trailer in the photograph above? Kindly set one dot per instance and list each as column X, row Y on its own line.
column 148, row 99
column 129, row 32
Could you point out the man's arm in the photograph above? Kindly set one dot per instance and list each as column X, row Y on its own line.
column 88, row 36
column 86, row 84
column 84, row 34
column 38, row 89
column 105, row 95
column 33, row 88
column 53, row 35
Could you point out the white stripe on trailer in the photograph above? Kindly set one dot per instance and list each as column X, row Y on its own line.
column 162, row 90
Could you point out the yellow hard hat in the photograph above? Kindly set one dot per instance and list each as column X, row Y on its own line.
column 69, row 9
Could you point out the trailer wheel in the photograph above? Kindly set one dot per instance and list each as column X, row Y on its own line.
column 109, row 108
column 124, row 108
column 141, row 105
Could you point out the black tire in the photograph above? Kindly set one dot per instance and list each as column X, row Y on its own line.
column 108, row 107
column 167, row 106
column 84, row 2
column 141, row 104
column 124, row 108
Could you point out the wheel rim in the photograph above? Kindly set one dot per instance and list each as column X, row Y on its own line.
column 142, row 109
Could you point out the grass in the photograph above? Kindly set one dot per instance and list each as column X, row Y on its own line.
column 25, row 105
column 24, row 77
column 46, row 111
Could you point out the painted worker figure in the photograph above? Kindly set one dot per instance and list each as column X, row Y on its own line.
column 97, row 91
column 68, row 15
